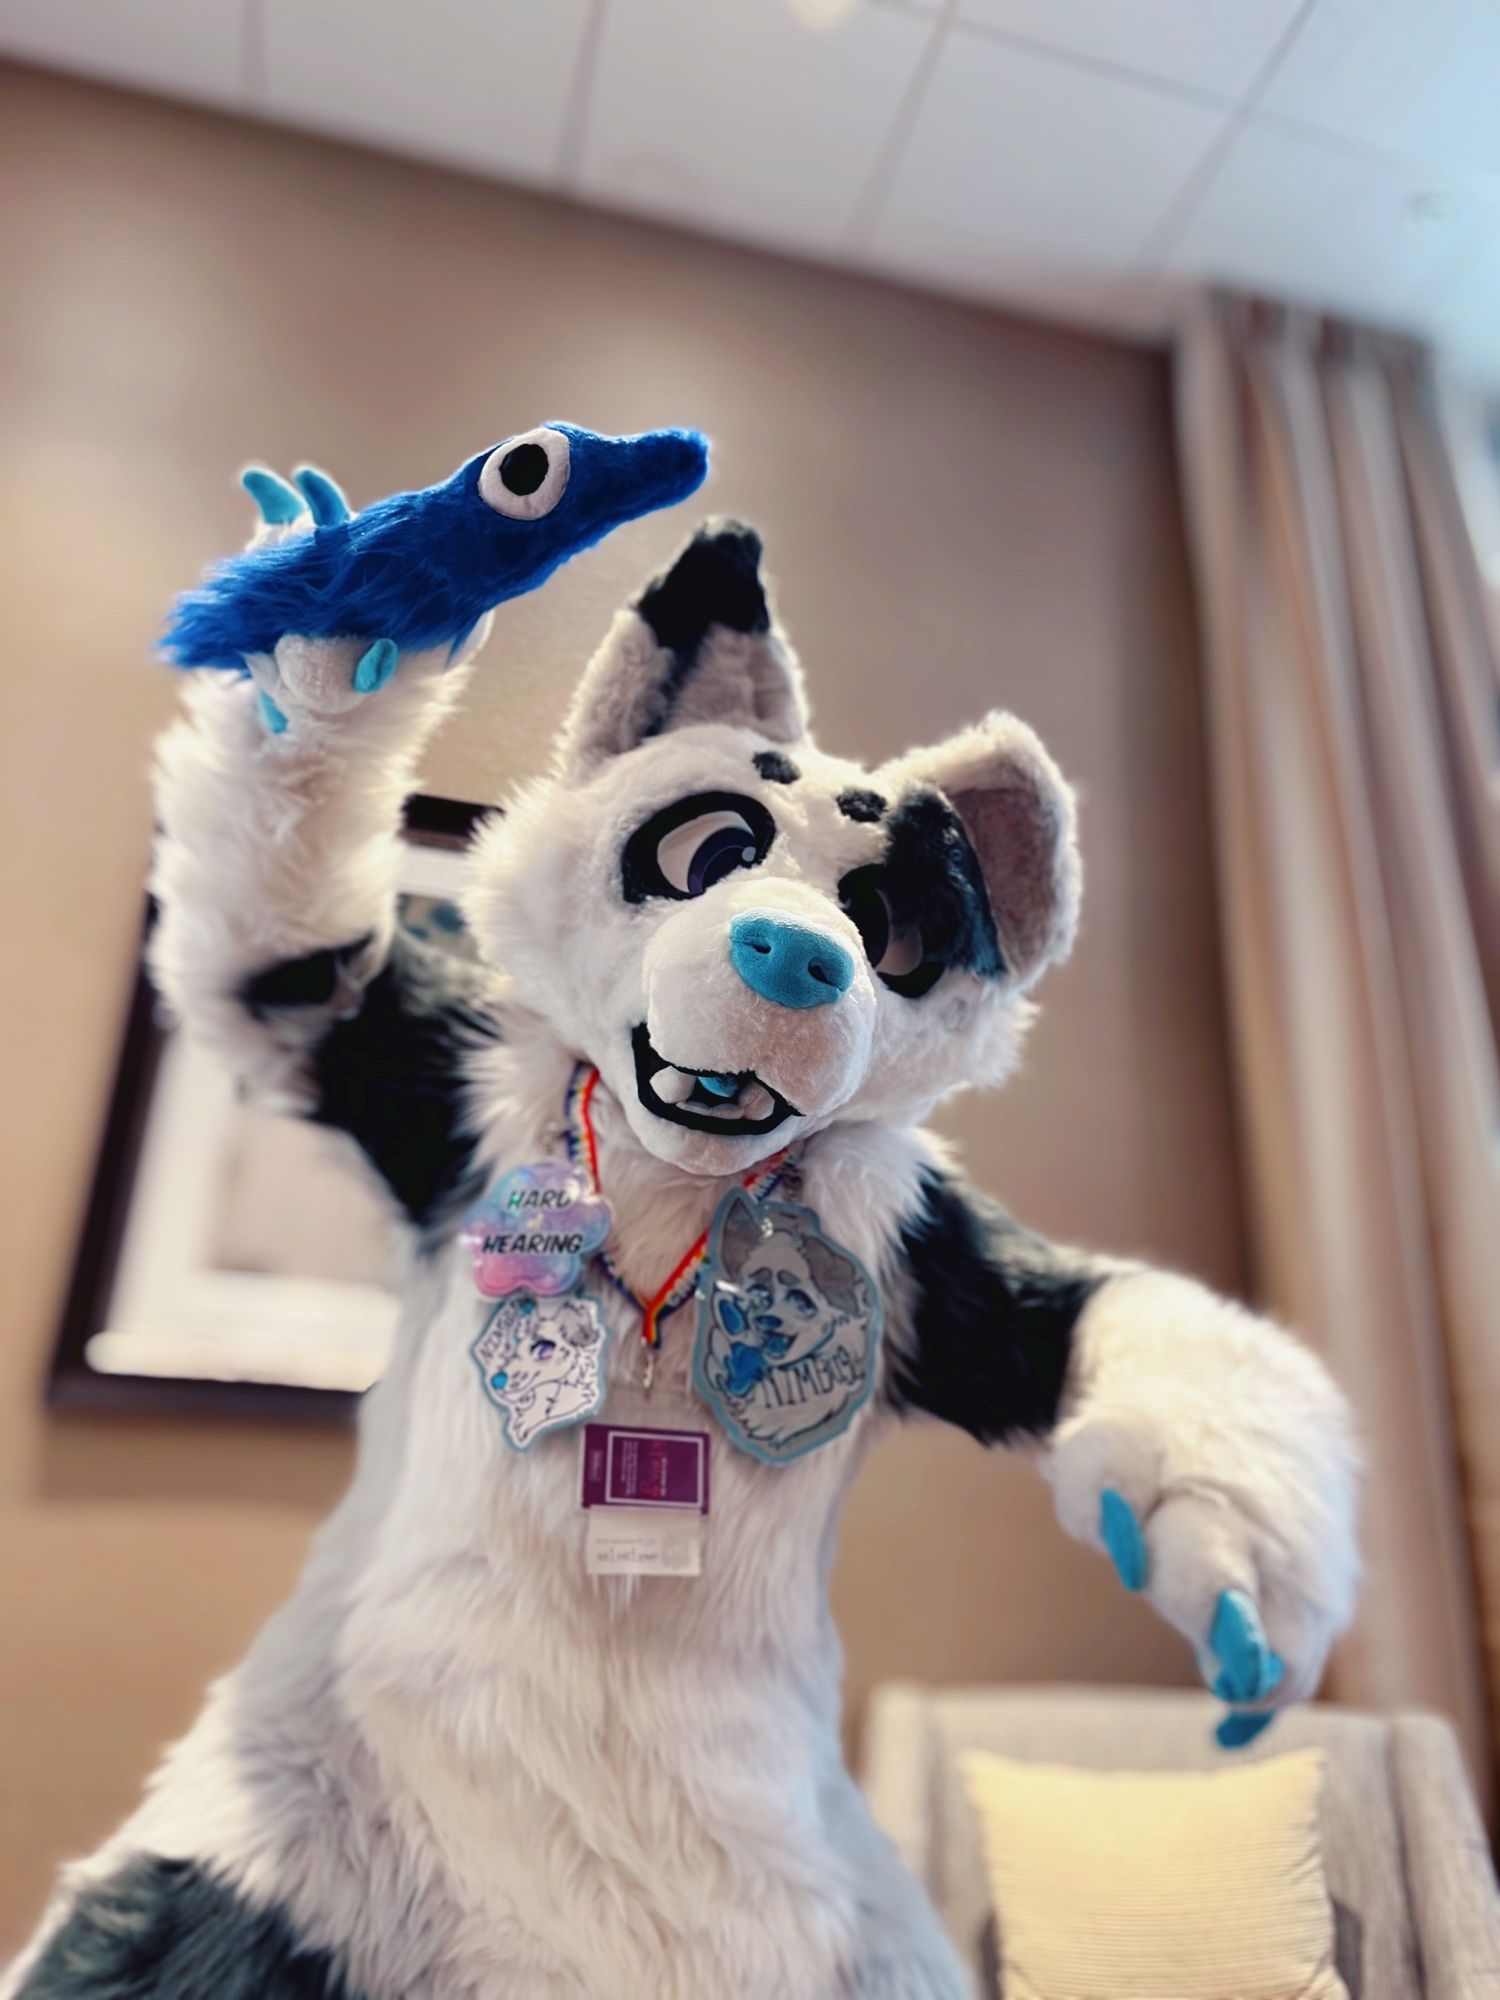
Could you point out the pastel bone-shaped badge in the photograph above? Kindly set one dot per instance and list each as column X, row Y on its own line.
column 535, row 1230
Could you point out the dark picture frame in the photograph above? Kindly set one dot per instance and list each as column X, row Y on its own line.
column 80, row 1378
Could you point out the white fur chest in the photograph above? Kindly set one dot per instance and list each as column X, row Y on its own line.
column 634, row 1785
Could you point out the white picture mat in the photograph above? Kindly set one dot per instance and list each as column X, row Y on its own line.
column 174, row 1311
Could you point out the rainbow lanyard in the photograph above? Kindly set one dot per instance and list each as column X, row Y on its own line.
column 583, row 1150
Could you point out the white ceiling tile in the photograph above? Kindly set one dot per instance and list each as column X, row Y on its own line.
column 1412, row 76
column 1021, row 167
column 728, row 114
column 486, row 84
column 1327, row 225
column 1210, row 45
column 192, row 46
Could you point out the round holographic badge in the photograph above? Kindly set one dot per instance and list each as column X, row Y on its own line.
column 535, row 1230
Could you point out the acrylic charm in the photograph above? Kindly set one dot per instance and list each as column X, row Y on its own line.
column 535, row 1230
column 788, row 1322
column 542, row 1364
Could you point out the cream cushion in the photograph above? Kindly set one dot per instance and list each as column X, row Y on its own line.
column 1183, row 1885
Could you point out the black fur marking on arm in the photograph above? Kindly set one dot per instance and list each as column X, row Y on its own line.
column 715, row 581
column 309, row 981
column 776, row 767
column 992, row 1316
column 166, row 1930
column 393, row 1076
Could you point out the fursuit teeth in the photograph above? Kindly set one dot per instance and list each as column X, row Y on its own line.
column 419, row 570
column 731, row 1096
column 731, row 1106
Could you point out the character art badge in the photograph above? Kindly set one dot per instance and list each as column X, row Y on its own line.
column 542, row 1363
column 788, row 1323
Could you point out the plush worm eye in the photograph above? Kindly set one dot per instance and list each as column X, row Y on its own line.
column 525, row 477
column 705, row 849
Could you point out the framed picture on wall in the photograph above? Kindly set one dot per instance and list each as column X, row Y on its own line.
column 232, row 1259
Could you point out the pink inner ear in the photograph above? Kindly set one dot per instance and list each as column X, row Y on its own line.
column 1021, row 844
column 748, row 680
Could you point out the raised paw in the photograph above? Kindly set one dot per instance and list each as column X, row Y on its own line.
column 304, row 679
column 315, row 680
column 308, row 684
column 304, row 682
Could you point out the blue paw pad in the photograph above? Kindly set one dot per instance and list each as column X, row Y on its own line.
column 1227, row 1687
column 375, row 667
column 1121, row 1534
column 1242, row 1728
column 271, row 715
column 1250, row 1670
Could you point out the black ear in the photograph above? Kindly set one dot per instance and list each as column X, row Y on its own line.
column 715, row 581
column 698, row 645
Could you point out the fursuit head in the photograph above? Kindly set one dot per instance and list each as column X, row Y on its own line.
column 500, row 1743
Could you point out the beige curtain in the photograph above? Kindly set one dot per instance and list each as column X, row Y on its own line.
column 1344, row 517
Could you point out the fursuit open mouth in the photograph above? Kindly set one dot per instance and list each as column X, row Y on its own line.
column 730, row 1104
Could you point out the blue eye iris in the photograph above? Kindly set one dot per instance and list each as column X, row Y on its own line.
column 705, row 847
column 725, row 849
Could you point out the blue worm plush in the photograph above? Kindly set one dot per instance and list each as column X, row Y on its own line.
column 420, row 570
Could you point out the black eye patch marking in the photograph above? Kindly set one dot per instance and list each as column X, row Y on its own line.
column 931, row 877
column 864, row 807
column 775, row 767
column 667, row 857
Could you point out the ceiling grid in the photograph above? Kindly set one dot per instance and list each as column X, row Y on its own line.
column 1079, row 158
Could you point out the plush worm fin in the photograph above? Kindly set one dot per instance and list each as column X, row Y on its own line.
column 328, row 504
column 278, row 503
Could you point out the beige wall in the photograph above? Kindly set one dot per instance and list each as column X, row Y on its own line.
column 961, row 510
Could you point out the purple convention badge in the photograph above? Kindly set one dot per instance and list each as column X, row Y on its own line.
column 624, row 1466
column 542, row 1364
column 535, row 1230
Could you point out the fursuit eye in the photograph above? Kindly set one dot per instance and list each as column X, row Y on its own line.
column 543, row 1350
column 706, row 849
column 893, row 948
column 525, row 477
column 685, row 848
column 893, row 942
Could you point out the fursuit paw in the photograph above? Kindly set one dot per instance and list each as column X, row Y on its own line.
column 307, row 683
column 1210, row 1457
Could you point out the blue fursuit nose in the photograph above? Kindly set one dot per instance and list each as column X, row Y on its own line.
column 789, row 963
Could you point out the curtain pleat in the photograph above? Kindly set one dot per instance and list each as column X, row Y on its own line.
column 1447, row 452
column 1363, row 1076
